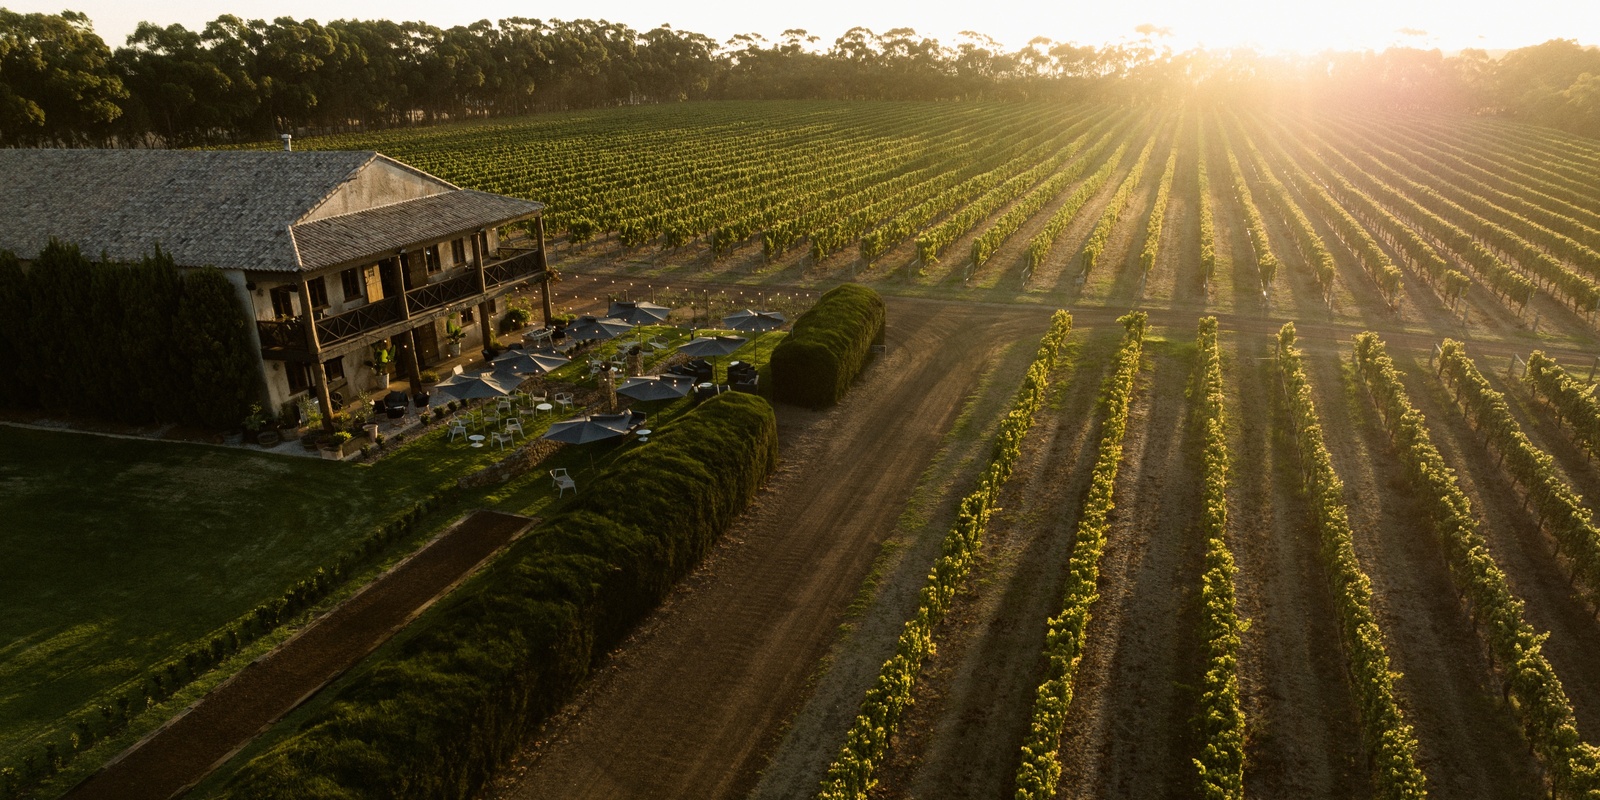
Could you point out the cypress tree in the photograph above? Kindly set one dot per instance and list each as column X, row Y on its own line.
column 213, row 339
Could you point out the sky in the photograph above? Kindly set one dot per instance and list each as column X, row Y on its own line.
column 1267, row 25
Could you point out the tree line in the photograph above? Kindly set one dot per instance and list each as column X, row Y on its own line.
column 247, row 80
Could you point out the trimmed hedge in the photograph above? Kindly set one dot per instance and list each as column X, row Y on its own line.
column 133, row 342
column 830, row 344
column 437, row 718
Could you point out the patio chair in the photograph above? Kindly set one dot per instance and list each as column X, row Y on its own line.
column 564, row 399
column 563, row 481
column 458, row 427
column 502, row 439
column 504, row 406
column 657, row 344
column 491, row 418
column 514, row 426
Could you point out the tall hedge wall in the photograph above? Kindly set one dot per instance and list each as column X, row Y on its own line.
column 815, row 364
column 131, row 342
column 490, row 663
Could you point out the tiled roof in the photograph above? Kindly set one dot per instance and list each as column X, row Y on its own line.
column 220, row 208
column 227, row 209
column 377, row 232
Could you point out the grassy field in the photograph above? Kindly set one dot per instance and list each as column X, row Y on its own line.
column 124, row 551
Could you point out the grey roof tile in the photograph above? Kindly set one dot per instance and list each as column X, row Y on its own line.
column 377, row 232
column 229, row 209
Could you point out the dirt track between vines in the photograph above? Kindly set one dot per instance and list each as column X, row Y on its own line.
column 692, row 704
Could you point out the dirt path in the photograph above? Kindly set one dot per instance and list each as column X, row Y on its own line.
column 971, row 705
column 1469, row 744
column 693, row 702
column 1301, row 727
column 1128, row 730
column 180, row 753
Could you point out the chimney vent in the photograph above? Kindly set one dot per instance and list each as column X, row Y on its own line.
column 288, row 142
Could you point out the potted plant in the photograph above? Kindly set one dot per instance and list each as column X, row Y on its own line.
column 454, row 333
column 333, row 449
column 382, row 364
column 257, row 421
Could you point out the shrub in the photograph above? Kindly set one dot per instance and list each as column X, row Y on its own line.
column 830, row 344
column 498, row 656
column 514, row 319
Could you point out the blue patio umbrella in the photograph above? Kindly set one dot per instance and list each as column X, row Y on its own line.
column 656, row 387
column 530, row 362
column 586, row 429
column 748, row 321
column 591, row 328
column 639, row 313
column 478, row 386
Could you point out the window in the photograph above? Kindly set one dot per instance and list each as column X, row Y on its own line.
column 319, row 293
column 431, row 254
column 355, row 285
column 458, row 249
column 466, row 315
column 282, row 302
column 299, row 376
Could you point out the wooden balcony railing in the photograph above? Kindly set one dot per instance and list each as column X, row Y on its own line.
column 331, row 330
column 289, row 335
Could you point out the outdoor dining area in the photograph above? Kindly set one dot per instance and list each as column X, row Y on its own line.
column 587, row 381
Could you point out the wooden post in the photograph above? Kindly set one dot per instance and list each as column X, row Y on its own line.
column 319, row 373
column 486, row 322
column 408, row 358
column 544, row 267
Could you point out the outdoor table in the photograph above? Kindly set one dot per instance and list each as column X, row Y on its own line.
column 477, row 439
column 644, row 434
column 545, row 408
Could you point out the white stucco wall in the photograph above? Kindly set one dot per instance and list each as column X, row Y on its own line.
column 380, row 183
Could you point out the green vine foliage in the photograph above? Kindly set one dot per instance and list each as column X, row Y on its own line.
column 851, row 774
column 1389, row 740
column 1040, row 770
column 1559, row 507
column 1220, row 766
column 1540, row 702
column 1573, row 400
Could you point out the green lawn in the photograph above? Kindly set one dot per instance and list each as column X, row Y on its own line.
column 121, row 552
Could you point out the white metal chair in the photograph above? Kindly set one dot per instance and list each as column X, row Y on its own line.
column 514, row 426
column 458, row 427
column 503, row 407
column 490, row 418
column 501, row 439
column 563, row 481
column 657, row 344
column 564, row 399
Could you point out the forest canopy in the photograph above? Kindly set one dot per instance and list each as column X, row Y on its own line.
column 243, row 80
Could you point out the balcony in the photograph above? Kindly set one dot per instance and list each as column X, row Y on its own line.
column 286, row 337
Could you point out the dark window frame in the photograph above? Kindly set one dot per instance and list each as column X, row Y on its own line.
column 317, row 288
column 458, row 251
column 354, row 282
column 430, row 255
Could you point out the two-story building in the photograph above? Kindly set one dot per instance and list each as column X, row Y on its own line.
column 337, row 254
